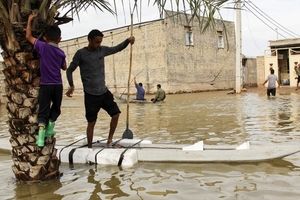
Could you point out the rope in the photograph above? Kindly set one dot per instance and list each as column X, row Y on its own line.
column 122, row 154
column 71, row 163
column 114, row 143
column 69, row 145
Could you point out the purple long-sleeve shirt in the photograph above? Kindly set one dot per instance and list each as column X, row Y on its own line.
column 52, row 60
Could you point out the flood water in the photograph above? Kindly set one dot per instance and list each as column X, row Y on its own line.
column 215, row 117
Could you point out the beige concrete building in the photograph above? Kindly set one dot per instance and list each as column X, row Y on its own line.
column 282, row 56
column 260, row 63
column 168, row 51
column 249, row 72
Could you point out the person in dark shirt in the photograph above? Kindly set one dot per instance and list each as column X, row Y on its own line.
column 90, row 60
column 140, row 92
column 52, row 60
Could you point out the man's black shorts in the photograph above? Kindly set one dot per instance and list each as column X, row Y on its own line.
column 271, row 91
column 93, row 103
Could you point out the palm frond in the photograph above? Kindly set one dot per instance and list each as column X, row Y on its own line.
column 75, row 6
column 203, row 10
column 44, row 7
column 3, row 11
column 4, row 17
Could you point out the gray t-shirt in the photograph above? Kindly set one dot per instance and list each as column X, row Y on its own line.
column 272, row 81
column 92, row 67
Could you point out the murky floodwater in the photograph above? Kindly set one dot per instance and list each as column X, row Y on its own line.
column 215, row 117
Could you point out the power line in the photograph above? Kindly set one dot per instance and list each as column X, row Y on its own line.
column 271, row 20
column 251, row 33
column 263, row 21
column 291, row 32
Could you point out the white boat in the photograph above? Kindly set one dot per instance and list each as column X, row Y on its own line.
column 123, row 99
column 139, row 101
column 133, row 151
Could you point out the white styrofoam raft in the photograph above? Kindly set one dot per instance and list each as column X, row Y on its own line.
column 104, row 155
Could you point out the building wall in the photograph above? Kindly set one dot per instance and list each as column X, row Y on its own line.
column 292, row 75
column 202, row 66
column 260, row 65
column 147, row 56
column 282, row 55
column 148, row 63
column 250, row 72
column 161, row 56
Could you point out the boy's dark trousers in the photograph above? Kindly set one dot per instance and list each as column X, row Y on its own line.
column 50, row 98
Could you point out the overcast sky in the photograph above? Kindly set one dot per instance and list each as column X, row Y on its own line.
column 255, row 33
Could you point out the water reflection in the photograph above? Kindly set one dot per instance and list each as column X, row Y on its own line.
column 168, row 181
column 110, row 188
column 214, row 117
column 37, row 190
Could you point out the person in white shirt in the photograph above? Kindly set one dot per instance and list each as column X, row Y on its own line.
column 272, row 79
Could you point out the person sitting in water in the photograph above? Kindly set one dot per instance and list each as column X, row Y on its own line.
column 160, row 94
column 140, row 92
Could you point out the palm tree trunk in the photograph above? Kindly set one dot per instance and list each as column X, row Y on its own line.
column 21, row 71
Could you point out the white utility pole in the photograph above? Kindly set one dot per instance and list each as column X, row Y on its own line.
column 238, row 30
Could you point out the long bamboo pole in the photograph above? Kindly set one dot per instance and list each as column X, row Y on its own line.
column 128, row 133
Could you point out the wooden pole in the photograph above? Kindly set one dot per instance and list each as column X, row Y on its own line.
column 128, row 133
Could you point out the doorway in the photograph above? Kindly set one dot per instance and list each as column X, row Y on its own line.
column 283, row 67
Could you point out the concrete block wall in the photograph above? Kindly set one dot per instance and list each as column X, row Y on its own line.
column 250, row 72
column 260, row 66
column 202, row 66
column 161, row 56
column 148, row 63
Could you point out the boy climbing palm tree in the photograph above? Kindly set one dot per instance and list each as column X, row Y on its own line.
column 52, row 60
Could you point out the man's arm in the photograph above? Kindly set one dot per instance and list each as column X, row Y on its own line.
column 73, row 65
column 112, row 50
column 29, row 36
column 64, row 66
column 265, row 82
column 135, row 83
